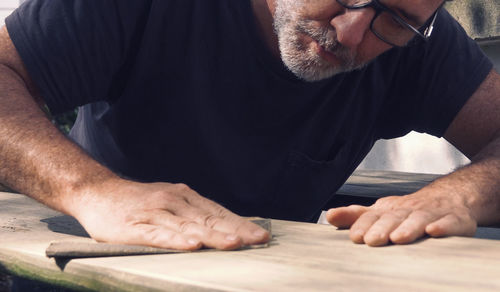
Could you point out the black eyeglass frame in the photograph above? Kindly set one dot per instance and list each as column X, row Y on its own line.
column 379, row 8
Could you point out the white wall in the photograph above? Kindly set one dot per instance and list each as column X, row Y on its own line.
column 6, row 7
column 414, row 152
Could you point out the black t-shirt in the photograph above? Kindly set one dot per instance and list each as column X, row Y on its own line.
column 186, row 91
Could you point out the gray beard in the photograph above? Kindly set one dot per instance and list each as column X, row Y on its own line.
column 300, row 59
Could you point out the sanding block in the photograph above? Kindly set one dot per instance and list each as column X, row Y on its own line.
column 87, row 247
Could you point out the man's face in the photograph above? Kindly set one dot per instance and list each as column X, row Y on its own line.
column 320, row 38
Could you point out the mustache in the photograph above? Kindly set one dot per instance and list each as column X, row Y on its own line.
column 326, row 37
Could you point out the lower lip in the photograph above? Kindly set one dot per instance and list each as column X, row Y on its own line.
column 328, row 56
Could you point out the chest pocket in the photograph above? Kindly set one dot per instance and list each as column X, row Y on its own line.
column 306, row 184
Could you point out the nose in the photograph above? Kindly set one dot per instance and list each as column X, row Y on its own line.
column 352, row 25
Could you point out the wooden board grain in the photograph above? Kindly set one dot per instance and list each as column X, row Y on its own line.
column 301, row 257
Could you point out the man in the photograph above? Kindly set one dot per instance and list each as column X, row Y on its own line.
column 186, row 101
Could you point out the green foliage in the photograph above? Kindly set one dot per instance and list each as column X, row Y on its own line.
column 65, row 121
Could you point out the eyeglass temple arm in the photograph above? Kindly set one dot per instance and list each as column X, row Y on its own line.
column 430, row 28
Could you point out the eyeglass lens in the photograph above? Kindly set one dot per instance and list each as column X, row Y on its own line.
column 385, row 25
column 391, row 30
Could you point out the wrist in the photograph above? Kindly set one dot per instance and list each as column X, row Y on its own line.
column 79, row 192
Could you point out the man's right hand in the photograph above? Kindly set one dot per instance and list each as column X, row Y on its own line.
column 39, row 161
column 161, row 215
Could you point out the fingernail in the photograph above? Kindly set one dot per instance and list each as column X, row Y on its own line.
column 193, row 241
column 259, row 233
column 232, row 237
column 359, row 233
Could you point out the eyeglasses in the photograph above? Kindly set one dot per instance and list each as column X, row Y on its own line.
column 388, row 26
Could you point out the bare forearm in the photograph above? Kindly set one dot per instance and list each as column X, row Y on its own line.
column 475, row 131
column 479, row 183
column 36, row 159
column 475, row 186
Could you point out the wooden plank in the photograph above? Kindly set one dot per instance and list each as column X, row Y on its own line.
column 88, row 247
column 301, row 257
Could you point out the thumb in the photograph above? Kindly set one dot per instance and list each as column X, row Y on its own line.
column 344, row 217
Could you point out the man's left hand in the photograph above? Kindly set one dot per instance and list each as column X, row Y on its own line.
column 404, row 219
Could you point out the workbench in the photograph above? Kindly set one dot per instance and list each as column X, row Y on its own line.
column 300, row 257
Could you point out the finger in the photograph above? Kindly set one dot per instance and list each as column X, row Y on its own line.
column 192, row 229
column 412, row 228
column 209, row 237
column 214, row 216
column 379, row 231
column 344, row 217
column 362, row 225
column 158, row 236
column 249, row 232
column 450, row 225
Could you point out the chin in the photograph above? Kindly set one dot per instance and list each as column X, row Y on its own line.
column 314, row 70
column 307, row 64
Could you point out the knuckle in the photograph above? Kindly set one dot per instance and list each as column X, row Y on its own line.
column 185, row 225
column 370, row 216
column 452, row 217
column 136, row 218
column 397, row 215
column 220, row 212
column 153, row 235
column 465, row 214
column 163, row 196
column 418, row 216
column 412, row 225
column 386, row 202
column 380, row 202
column 168, row 199
column 210, row 220
column 414, row 204
column 387, row 199
column 181, row 187
column 420, row 213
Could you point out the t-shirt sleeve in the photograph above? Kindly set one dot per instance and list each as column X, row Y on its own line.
column 433, row 81
column 80, row 51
